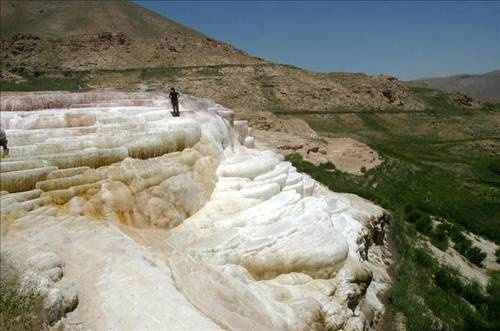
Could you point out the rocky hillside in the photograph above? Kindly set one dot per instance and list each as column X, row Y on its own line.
column 86, row 45
column 101, row 35
column 73, row 18
column 265, row 87
column 481, row 86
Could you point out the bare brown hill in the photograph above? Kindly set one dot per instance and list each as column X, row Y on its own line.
column 40, row 36
column 85, row 45
column 72, row 18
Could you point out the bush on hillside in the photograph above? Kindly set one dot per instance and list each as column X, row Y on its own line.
column 447, row 279
column 424, row 225
column 475, row 255
column 412, row 214
column 439, row 237
column 327, row 166
column 423, row 258
column 473, row 294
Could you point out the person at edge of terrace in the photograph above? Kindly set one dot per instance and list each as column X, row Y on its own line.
column 174, row 99
column 3, row 143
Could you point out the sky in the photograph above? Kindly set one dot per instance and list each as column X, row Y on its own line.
column 408, row 40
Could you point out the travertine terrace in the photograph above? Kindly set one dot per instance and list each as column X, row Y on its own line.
column 128, row 218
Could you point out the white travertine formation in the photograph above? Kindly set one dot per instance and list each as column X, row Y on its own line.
column 241, row 129
column 129, row 218
column 249, row 142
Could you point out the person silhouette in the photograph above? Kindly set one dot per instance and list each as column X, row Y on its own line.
column 174, row 99
column 3, row 143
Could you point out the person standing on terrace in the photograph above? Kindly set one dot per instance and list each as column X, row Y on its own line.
column 3, row 143
column 174, row 98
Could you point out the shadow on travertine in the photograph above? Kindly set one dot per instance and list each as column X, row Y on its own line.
column 129, row 218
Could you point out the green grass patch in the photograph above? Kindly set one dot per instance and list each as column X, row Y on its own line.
column 431, row 189
column 435, row 100
column 21, row 307
column 425, row 165
column 434, row 297
column 157, row 73
column 431, row 296
column 73, row 83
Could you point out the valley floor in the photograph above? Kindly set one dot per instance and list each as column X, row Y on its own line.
column 440, row 178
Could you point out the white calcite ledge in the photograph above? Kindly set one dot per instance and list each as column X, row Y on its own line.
column 129, row 218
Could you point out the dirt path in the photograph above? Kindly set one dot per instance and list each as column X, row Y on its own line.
column 391, row 320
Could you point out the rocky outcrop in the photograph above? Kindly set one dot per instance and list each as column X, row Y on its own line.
column 464, row 100
column 269, row 122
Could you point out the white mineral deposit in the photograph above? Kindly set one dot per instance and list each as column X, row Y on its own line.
column 127, row 218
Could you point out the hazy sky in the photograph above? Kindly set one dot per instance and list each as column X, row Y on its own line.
column 406, row 39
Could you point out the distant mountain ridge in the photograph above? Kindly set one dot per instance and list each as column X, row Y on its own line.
column 481, row 86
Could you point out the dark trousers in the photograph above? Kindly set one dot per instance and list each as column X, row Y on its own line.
column 175, row 108
column 3, row 143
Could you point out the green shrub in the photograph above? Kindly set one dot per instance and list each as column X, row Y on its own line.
column 462, row 244
column 439, row 237
column 464, row 247
column 475, row 255
column 424, row 225
column 492, row 306
column 411, row 231
column 473, row 293
column 488, row 318
column 447, row 279
column 423, row 258
column 455, row 231
column 441, row 243
column 327, row 166
column 443, row 228
column 495, row 168
column 412, row 213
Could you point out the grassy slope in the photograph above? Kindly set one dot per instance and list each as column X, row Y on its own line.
column 75, row 81
column 432, row 169
column 433, row 161
column 423, row 289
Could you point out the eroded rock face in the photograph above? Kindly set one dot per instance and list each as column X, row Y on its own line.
column 135, row 219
